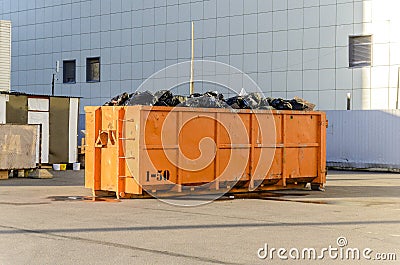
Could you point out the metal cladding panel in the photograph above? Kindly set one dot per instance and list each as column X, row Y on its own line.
column 3, row 108
column 364, row 139
column 5, row 55
column 17, row 110
column 73, row 129
column 35, row 118
column 18, row 146
column 38, row 104
column 59, row 130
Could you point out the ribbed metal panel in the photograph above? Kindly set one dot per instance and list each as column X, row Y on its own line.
column 5, row 55
column 364, row 139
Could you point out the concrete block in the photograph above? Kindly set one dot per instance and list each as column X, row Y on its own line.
column 40, row 174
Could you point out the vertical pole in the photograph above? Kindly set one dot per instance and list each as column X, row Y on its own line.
column 54, row 77
column 52, row 84
column 348, row 101
column 192, row 63
column 398, row 88
column 40, row 145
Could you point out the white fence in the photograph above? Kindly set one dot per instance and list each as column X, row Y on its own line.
column 364, row 139
column 5, row 55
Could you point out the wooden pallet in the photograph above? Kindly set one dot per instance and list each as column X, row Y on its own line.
column 3, row 174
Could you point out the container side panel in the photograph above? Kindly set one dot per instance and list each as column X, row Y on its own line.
column 276, row 167
column 302, row 128
column 155, row 123
column 130, row 145
column 278, row 128
column 234, row 164
column 107, row 145
column 302, row 162
column 109, row 168
column 92, row 153
column 154, row 170
column 235, row 151
column 109, row 118
column 158, row 147
column 196, row 137
column 264, row 145
column 89, row 148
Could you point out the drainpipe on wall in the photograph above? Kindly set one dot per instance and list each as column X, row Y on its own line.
column 348, row 101
column 398, row 88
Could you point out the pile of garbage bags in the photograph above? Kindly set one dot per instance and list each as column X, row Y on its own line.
column 292, row 104
column 211, row 99
column 160, row 98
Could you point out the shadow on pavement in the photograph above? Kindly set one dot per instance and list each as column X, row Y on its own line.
column 61, row 178
column 15, row 230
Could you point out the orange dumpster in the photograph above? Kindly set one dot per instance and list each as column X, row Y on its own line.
column 138, row 151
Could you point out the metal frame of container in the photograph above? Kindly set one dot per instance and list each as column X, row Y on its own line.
column 124, row 145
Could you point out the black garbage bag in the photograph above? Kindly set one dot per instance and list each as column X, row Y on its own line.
column 195, row 95
column 237, row 102
column 141, row 98
column 293, row 104
column 214, row 94
column 211, row 99
column 166, row 98
column 253, row 100
column 162, row 97
column 280, row 104
column 264, row 104
column 118, row 100
column 301, row 104
column 204, row 102
column 126, row 103
column 176, row 100
column 296, row 105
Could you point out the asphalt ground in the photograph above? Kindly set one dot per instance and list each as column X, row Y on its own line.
column 56, row 221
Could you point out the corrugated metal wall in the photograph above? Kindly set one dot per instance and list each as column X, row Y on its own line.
column 5, row 55
column 364, row 139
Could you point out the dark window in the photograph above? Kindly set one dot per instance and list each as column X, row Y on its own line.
column 360, row 50
column 93, row 69
column 69, row 72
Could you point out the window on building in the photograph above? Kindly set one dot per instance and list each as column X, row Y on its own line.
column 93, row 69
column 69, row 72
column 360, row 50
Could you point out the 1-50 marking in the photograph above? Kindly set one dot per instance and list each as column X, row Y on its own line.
column 161, row 175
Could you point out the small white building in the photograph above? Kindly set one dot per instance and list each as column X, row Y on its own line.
column 57, row 118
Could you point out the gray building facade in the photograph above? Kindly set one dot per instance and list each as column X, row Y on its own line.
column 320, row 50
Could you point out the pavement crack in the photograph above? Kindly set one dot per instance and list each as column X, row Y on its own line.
column 121, row 246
